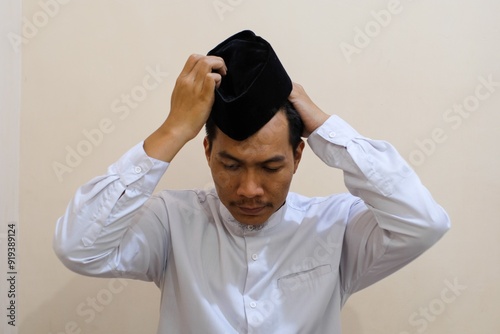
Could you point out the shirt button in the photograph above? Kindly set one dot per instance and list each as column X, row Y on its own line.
column 332, row 134
column 253, row 304
column 255, row 257
column 137, row 169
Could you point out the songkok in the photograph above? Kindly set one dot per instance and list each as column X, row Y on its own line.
column 255, row 86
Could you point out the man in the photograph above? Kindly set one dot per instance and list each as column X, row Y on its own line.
column 248, row 256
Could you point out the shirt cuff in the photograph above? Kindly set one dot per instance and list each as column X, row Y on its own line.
column 135, row 164
column 334, row 130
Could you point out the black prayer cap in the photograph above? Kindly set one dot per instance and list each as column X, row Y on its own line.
column 255, row 86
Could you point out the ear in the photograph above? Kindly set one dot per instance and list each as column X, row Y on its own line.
column 298, row 155
column 208, row 149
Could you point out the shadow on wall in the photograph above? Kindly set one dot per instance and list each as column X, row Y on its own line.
column 98, row 306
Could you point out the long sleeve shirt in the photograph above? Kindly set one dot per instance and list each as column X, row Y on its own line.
column 216, row 276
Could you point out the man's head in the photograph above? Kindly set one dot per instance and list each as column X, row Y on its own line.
column 253, row 176
column 253, row 144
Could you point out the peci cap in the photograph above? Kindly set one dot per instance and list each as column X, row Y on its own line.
column 255, row 86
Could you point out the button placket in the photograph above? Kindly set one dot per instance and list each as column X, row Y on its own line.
column 256, row 269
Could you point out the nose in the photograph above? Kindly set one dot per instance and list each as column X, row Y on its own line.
column 250, row 185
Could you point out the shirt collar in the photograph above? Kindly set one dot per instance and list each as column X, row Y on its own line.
column 241, row 230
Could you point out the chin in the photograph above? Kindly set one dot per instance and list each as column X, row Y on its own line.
column 251, row 220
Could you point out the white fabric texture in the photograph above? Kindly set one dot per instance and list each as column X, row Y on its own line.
column 292, row 276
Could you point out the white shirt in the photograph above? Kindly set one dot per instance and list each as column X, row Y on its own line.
column 292, row 276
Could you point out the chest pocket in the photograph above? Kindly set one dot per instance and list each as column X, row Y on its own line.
column 308, row 279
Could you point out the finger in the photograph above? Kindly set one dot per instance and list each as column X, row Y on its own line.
column 222, row 68
column 190, row 64
column 217, row 78
column 216, row 64
column 209, row 64
column 211, row 81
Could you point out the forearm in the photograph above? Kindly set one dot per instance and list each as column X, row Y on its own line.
column 375, row 172
column 165, row 142
column 99, row 216
column 190, row 107
column 101, row 211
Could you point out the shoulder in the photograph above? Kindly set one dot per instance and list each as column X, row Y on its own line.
column 324, row 211
column 304, row 203
column 184, row 207
column 181, row 194
column 190, row 198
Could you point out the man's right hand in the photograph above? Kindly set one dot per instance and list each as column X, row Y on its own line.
column 190, row 106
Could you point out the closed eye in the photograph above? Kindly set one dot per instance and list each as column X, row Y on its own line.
column 272, row 169
column 231, row 167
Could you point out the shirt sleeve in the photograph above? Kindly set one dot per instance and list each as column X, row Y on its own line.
column 396, row 218
column 99, row 217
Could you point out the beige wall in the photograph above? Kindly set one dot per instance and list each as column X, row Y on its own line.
column 404, row 82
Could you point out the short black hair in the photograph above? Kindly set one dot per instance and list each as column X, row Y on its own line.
column 295, row 125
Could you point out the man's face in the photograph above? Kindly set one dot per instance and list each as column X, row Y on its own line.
column 252, row 177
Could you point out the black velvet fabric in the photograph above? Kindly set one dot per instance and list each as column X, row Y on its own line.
column 256, row 84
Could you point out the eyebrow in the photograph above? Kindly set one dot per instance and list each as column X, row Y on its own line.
column 276, row 158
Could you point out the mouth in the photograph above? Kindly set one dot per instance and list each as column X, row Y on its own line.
column 251, row 211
